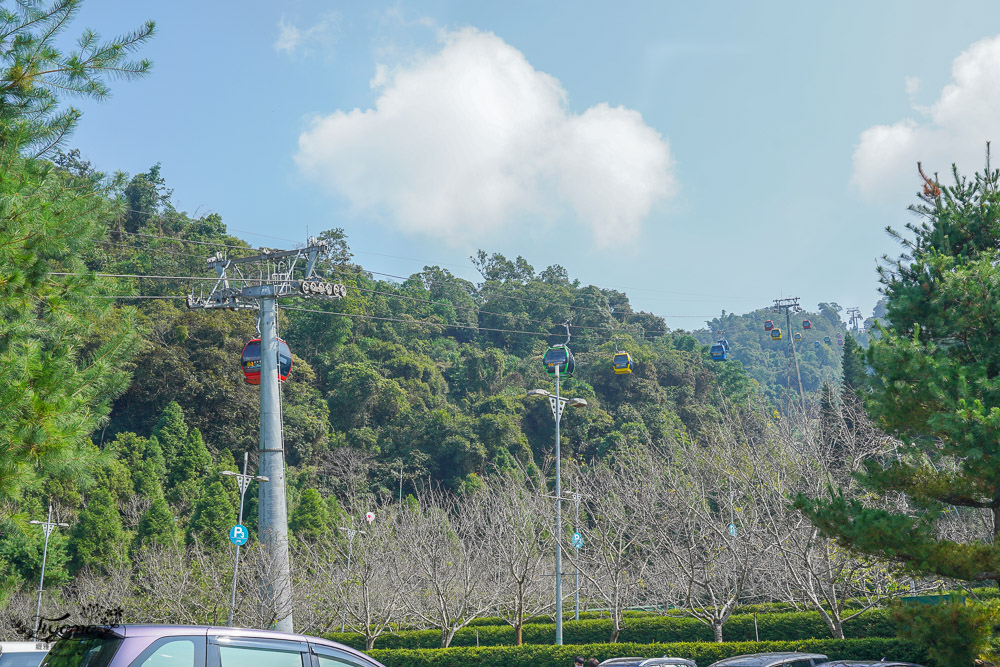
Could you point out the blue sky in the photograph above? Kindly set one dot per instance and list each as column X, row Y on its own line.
column 700, row 156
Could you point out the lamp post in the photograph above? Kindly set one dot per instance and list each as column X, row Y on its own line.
column 351, row 532
column 47, row 527
column 558, row 403
column 243, row 481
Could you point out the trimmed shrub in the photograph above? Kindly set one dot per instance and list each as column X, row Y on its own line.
column 641, row 630
column 704, row 653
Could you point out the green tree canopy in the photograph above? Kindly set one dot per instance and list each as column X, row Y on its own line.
column 936, row 384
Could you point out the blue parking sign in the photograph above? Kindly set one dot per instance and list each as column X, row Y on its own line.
column 239, row 535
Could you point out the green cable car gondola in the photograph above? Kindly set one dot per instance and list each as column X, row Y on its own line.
column 561, row 356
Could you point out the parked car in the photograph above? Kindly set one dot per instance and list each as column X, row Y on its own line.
column 22, row 654
column 197, row 646
column 786, row 659
column 868, row 663
column 665, row 661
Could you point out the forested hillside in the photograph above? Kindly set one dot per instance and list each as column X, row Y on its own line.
column 769, row 363
column 428, row 374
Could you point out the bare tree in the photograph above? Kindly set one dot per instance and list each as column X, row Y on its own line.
column 450, row 563
column 364, row 580
column 717, row 551
column 517, row 521
column 617, row 549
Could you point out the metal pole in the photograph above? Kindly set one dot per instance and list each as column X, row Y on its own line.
column 242, row 483
column 791, row 339
column 272, row 509
column 350, row 548
column 559, row 609
column 576, row 529
column 47, row 529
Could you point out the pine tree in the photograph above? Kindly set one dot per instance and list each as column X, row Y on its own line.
column 853, row 364
column 171, row 432
column 213, row 516
column 936, row 384
column 192, row 461
column 158, row 525
column 97, row 536
column 309, row 520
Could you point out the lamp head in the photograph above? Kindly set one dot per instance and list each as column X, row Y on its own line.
column 577, row 402
column 538, row 392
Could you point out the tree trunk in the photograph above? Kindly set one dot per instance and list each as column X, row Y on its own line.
column 616, row 628
column 717, row 630
column 369, row 642
column 518, row 639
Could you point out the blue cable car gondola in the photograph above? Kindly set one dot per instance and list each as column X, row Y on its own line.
column 768, row 325
column 816, row 344
column 622, row 363
column 776, row 334
column 718, row 352
column 561, row 356
column 827, row 340
column 250, row 361
column 806, row 324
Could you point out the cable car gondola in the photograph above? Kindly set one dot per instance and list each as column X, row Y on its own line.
column 622, row 363
column 250, row 360
column 775, row 334
column 768, row 325
column 827, row 340
column 798, row 337
column 840, row 341
column 806, row 324
column 718, row 352
column 561, row 356
column 816, row 344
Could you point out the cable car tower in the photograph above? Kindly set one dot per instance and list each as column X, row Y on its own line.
column 788, row 306
column 258, row 282
column 854, row 315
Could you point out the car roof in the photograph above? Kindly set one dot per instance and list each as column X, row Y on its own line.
column 651, row 662
column 867, row 663
column 765, row 659
column 146, row 630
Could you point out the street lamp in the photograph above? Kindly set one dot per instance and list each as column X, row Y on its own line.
column 243, row 481
column 350, row 547
column 47, row 527
column 558, row 403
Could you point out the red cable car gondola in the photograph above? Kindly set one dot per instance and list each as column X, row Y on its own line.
column 250, row 360
column 768, row 325
column 806, row 324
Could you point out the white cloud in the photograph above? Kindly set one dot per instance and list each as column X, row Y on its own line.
column 954, row 129
column 291, row 39
column 288, row 37
column 472, row 141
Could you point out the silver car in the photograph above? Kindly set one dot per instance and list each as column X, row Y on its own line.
column 785, row 659
column 665, row 661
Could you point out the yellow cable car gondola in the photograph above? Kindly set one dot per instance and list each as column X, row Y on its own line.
column 775, row 333
column 622, row 363
column 798, row 337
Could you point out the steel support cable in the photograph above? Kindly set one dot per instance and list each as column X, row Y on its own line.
column 505, row 296
column 390, row 294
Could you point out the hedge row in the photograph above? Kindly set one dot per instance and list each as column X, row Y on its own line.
column 704, row 653
column 760, row 608
column 641, row 630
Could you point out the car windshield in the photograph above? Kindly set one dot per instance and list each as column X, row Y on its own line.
column 83, row 650
column 21, row 659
